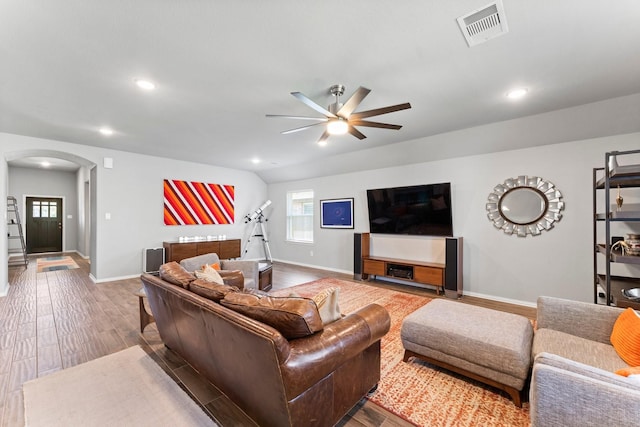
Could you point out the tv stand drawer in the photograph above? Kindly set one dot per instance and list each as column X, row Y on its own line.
column 375, row 267
column 428, row 275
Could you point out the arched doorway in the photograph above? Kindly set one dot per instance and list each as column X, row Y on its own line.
column 84, row 212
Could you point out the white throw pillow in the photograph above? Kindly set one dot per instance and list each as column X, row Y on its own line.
column 209, row 274
column 327, row 302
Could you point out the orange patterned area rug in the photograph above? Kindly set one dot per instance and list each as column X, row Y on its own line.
column 416, row 391
column 55, row 263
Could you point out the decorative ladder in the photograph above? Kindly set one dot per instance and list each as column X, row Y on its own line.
column 12, row 210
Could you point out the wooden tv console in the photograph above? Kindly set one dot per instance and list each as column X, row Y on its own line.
column 427, row 273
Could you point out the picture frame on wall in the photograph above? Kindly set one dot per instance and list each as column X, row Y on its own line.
column 336, row 213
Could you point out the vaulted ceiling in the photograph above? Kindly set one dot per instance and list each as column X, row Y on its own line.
column 68, row 69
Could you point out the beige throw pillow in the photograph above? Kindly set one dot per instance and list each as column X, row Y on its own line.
column 209, row 274
column 327, row 302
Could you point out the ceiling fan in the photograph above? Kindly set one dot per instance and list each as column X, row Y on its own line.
column 341, row 118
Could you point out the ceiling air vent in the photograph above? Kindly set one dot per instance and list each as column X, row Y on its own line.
column 483, row 24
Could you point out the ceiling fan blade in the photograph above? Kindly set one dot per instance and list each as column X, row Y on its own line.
column 325, row 135
column 353, row 102
column 285, row 132
column 374, row 124
column 323, row 119
column 355, row 132
column 310, row 103
column 379, row 111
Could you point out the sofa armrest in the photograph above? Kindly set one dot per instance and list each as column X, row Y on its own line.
column 590, row 321
column 568, row 393
column 313, row 358
column 232, row 278
column 249, row 269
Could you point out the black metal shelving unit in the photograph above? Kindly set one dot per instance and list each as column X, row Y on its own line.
column 612, row 177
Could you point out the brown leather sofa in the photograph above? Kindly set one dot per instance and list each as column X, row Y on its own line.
column 310, row 381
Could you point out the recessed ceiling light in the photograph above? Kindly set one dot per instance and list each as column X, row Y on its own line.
column 106, row 131
column 145, row 84
column 322, row 143
column 45, row 164
column 517, row 93
column 255, row 160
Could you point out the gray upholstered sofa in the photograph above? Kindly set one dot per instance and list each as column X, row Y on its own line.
column 573, row 380
column 250, row 269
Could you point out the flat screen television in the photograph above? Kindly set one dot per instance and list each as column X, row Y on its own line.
column 423, row 210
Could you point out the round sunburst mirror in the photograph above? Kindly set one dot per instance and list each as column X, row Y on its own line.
column 525, row 205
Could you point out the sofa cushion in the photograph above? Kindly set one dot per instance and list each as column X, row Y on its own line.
column 173, row 272
column 578, row 349
column 210, row 274
column 292, row 317
column 210, row 290
column 327, row 302
column 625, row 337
column 584, row 370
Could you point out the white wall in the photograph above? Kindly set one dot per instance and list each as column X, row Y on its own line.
column 25, row 182
column 558, row 262
column 132, row 193
column 84, row 218
column 497, row 266
column 4, row 276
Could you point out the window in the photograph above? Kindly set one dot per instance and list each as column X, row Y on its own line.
column 45, row 209
column 300, row 216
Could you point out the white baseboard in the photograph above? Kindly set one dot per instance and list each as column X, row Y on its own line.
column 500, row 299
column 83, row 256
column 113, row 279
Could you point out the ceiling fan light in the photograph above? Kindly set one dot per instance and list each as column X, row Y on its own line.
column 337, row 127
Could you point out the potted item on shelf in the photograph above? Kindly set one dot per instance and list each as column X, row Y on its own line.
column 619, row 199
column 633, row 244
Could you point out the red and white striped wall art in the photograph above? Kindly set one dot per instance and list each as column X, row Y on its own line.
column 198, row 203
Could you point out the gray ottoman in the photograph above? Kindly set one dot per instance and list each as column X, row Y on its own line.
column 483, row 344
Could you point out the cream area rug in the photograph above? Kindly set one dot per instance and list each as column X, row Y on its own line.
column 122, row 389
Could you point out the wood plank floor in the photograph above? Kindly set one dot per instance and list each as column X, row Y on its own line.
column 54, row 320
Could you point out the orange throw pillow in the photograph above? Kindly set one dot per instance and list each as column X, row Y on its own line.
column 215, row 266
column 625, row 337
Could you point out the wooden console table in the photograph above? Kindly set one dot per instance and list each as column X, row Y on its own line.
column 177, row 251
column 426, row 273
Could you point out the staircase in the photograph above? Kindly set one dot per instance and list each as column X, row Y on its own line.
column 14, row 228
